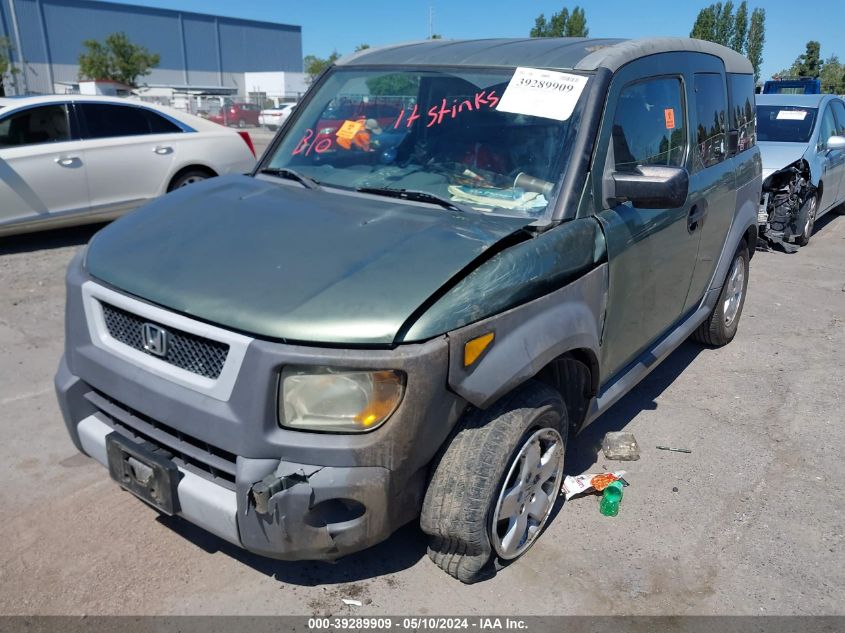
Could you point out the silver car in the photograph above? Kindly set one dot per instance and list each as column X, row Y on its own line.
column 802, row 143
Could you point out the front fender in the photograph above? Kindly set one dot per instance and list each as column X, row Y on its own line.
column 529, row 337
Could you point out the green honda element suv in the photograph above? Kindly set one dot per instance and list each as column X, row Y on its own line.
column 453, row 256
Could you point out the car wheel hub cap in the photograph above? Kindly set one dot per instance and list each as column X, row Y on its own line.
column 736, row 286
column 528, row 493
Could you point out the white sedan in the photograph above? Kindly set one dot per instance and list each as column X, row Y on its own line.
column 75, row 159
column 272, row 118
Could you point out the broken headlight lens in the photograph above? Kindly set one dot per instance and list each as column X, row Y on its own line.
column 338, row 401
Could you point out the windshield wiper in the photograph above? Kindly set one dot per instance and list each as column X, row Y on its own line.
column 290, row 174
column 415, row 196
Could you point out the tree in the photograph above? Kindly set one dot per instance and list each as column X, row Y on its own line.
column 756, row 39
column 725, row 24
column 539, row 28
column 705, row 25
column 361, row 47
column 398, row 84
column 561, row 24
column 314, row 66
column 117, row 59
column 738, row 43
column 832, row 76
column 6, row 66
column 577, row 24
column 810, row 64
column 717, row 23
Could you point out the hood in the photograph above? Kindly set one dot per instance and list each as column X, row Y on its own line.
column 776, row 156
column 276, row 260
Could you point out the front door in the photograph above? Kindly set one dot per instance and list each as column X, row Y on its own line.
column 652, row 252
column 43, row 171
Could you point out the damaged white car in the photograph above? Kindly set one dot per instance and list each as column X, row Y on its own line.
column 802, row 143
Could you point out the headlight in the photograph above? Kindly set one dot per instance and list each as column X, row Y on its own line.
column 323, row 399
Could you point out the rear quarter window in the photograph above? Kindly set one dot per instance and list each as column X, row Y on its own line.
column 711, row 105
column 741, row 96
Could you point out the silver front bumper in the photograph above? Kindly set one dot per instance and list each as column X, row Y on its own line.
column 202, row 502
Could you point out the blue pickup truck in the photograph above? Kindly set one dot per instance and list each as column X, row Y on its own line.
column 799, row 86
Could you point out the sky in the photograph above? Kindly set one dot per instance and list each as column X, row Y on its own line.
column 329, row 25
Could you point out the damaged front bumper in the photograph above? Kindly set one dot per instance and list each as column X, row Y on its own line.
column 277, row 492
column 784, row 205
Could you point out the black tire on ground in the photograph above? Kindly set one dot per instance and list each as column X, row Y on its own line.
column 241, row 123
column 187, row 178
column 807, row 232
column 718, row 330
column 470, row 473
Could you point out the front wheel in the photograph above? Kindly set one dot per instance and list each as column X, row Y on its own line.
column 810, row 220
column 496, row 483
column 720, row 327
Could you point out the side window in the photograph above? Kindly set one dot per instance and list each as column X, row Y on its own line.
column 158, row 124
column 711, row 106
column 649, row 124
column 743, row 120
column 47, row 124
column 839, row 115
column 827, row 128
column 106, row 120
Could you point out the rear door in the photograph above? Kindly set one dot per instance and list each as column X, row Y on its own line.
column 833, row 160
column 651, row 252
column 130, row 153
column 712, row 172
column 43, row 166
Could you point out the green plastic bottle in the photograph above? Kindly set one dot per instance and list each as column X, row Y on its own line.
column 610, row 499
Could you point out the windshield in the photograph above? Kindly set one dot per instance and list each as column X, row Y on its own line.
column 791, row 124
column 442, row 133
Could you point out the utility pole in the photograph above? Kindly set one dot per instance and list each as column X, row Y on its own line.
column 430, row 21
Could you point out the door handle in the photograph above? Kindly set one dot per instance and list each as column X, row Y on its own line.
column 66, row 161
column 162, row 149
column 696, row 215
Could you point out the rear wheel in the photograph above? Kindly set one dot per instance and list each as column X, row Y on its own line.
column 241, row 123
column 720, row 327
column 807, row 231
column 496, row 483
column 188, row 178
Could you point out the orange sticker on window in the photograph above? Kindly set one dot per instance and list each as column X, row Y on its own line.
column 349, row 129
column 669, row 115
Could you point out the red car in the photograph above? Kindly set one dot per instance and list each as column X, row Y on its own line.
column 236, row 113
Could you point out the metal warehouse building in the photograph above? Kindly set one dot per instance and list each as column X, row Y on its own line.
column 198, row 52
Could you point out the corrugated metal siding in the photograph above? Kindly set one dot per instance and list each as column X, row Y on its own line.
column 259, row 47
column 244, row 45
column 201, row 37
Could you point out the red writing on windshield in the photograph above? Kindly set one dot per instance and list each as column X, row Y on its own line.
column 437, row 113
column 309, row 143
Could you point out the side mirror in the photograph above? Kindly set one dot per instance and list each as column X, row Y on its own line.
column 836, row 142
column 651, row 187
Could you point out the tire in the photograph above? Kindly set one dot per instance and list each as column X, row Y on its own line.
column 720, row 327
column 807, row 232
column 241, row 124
column 187, row 178
column 491, row 452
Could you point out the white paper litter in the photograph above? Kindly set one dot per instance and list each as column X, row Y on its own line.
column 351, row 603
column 579, row 484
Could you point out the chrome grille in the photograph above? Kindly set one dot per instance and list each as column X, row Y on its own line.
column 187, row 351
